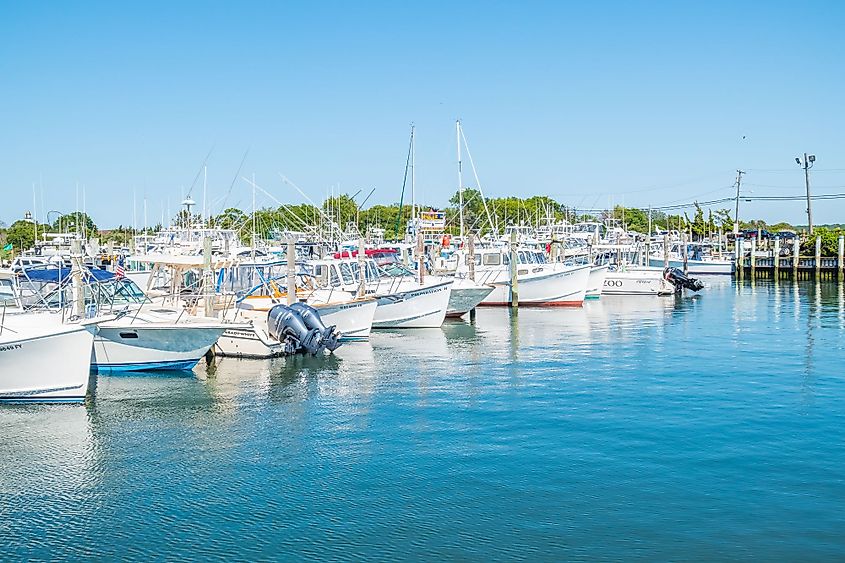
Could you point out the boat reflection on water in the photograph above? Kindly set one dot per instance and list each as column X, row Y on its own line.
column 49, row 452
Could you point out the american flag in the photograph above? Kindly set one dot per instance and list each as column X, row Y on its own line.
column 118, row 270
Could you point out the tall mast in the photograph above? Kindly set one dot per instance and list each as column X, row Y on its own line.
column 460, row 177
column 413, row 174
column 253, row 218
column 34, row 217
column 204, row 187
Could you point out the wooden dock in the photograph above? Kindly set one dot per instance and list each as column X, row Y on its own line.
column 794, row 266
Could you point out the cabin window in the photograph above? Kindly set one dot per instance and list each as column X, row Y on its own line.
column 477, row 259
column 372, row 271
column 335, row 281
column 321, row 273
column 492, row 259
column 346, row 273
column 7, row 293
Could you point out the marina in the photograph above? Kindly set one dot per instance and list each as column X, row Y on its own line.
column 473, row 281
column 547, row 433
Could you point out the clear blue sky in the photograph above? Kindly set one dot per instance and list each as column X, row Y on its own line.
column 590, row 102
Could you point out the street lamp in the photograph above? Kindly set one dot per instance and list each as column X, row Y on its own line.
column 809, row 161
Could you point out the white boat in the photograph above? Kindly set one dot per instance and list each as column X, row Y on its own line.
column 708, row 266
column 466, row 295
column 702, row 258
column 139, row 341
column 43, row 360
column 636, row 280
column 595, row 284
column 423, row 306
column 402, row 301
column 252, row 341
column 539, row 283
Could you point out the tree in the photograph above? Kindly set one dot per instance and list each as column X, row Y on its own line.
column 21, row 235
column 723, row 216
column 75, row 221
column 830, row 242
column 342, row 209
column 231, row 218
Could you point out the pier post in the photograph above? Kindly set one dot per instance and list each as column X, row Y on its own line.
column 421, row 257
column 208, row 277
column 796, row 250
column 753, row 258
column 471, row 256
column 684, row 252
column 77, row 290
column 665, row 251
column 514, row 271
column 840, row 254
column 362, row 269
column 776, row 255
column 818, row 264
column 291, row 281
column 471, row 265
column 739, row 248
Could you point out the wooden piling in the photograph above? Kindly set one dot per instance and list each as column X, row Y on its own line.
column 208, row 277
column 796, row 249
column 291, row 278
column 739, row 248
column 684, row 252
column 471, row 265
column 665, row 251
column 840, row 254
column 362, row 269
column 776, row 258
column 514, row 272
column 753, row 257
column 421, row 257
column 818, row 264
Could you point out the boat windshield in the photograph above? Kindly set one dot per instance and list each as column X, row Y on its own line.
column 395, row 270
column 346, row 273
column 7, row 293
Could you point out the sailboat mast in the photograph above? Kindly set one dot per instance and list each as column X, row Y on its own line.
column 460, row 177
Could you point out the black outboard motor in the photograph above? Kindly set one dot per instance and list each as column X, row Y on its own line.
column 286, row 325
column 682, row 281
column 311, row 317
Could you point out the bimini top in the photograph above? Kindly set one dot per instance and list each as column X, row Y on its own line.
column 59, row 275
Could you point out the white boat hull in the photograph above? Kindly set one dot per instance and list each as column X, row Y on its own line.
column 466, row 295
column 128, row 347
column 253, row 342
column 548, row 287
column 49, row 366
column 643, row 281
column 424, row 307
column 719, row 267
column 595, row 284
column 353, row 319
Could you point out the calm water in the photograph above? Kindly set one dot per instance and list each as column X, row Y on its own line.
column 703, row 428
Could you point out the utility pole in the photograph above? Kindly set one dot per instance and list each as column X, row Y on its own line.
column 809, row 161
column 739, row 174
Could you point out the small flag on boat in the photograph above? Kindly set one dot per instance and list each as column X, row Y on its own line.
column 118, row 271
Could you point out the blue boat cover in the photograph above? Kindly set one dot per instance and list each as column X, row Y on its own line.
column 55, row 274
